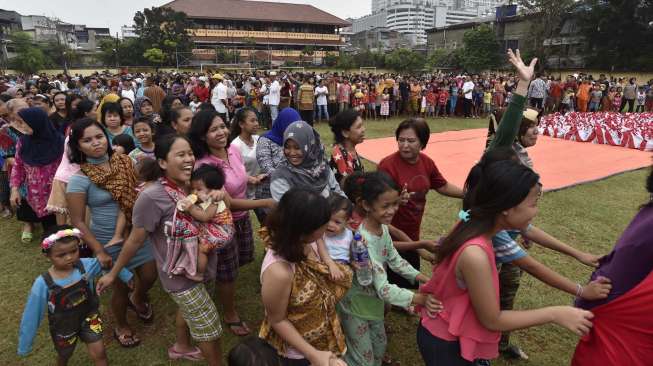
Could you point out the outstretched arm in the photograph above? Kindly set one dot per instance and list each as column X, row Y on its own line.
column 539, row 236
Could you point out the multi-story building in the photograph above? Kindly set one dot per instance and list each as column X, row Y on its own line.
column 513, row 30
column 414, row 17
column 379, row 40
column 260, row 31
column 128, row 32
column 9, row 22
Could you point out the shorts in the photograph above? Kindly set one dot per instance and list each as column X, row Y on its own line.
column 90, row 331
column 57, row 200
column 199, row 312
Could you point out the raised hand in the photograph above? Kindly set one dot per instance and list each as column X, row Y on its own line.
column 525, row 72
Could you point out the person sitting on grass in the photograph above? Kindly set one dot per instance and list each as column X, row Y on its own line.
column 66, row 291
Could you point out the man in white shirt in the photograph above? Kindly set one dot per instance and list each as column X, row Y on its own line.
column 219, row 97
column 322, row 92
column 468, row 87
column 128, row 90
column 274, row 96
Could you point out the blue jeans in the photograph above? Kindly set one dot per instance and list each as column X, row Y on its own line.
column 452, row 104
column 322, row 111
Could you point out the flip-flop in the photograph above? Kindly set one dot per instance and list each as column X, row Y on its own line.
column 126, row 340
column 239, row 324
column 26, row 237
column 147, row 317
column 195, row 355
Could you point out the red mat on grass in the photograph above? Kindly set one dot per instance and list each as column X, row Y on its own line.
column 559, row 162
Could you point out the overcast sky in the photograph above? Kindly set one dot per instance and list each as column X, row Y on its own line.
column 115, row 13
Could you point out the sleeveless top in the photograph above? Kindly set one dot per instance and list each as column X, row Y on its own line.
column 311, row 308
column 458, row 320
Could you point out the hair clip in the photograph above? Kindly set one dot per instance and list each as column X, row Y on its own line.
column 464, row 215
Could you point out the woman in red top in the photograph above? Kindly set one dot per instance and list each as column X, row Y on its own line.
column 498, row 196
column 348, row 131
column 201, row 91
column 416, row 174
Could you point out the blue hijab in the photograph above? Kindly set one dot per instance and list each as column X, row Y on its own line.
column 45, row 144
column 286, row 117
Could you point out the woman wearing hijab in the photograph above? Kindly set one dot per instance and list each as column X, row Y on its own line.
column 38, row 153
column 305, row 166
column 269, row 149
column 143, row 107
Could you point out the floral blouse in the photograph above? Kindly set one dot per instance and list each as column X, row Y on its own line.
column 343, row 164
column 269, row 156
column 37, row 179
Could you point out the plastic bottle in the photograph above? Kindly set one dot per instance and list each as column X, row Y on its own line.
column 362, row 259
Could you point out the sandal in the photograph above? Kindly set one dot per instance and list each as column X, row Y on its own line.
column 147, row 317
column 26, row 237
column 238, row 325
column 126, row 340
column 195, row 355
column 513, row 352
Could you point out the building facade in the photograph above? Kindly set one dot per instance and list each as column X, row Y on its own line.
column 379, row 40
column 564, row 50
column 260, row 32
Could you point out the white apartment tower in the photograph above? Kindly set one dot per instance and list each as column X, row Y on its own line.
column 414, row 17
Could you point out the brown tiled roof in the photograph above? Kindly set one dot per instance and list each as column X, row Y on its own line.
column 255, row 10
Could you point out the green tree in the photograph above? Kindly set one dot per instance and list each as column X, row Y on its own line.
column 155, row 56
column 545, row 23
column 441, row 58
column 616, row 33
column 367, row 58
column 405, row 60
column 165, row 29
column 331, row 59
column 128, row 52
column 308, row 51
column 481, row 51
column 346, row 62
column 30, row 58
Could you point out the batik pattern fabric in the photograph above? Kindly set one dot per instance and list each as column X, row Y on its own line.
column 312, row 308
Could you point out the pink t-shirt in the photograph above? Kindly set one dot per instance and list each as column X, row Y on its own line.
column 66, row 169
column 270, row 258
column 458, row 320
column 234, row 173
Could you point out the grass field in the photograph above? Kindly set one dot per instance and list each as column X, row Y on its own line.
column 590, row 217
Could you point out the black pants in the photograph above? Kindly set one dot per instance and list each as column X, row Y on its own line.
column 536, row 103
column 438, row 352
column 293, row 362
column 467, row 107
column 307, row 116
column 631, row 105
column 412, row 257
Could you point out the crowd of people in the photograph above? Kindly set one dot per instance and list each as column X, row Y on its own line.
column 153, row 178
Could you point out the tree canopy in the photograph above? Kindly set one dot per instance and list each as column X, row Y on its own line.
column 481, row 51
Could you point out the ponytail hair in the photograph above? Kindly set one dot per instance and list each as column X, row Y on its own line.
column 239, row 117
column 490, row 189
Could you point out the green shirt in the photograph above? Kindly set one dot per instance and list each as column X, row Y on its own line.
column 367, row 302
column 510, row 122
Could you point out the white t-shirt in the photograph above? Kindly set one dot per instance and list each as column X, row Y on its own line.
column 321, row 92
column 274, row 97
column 129, row 94
column 219, row 93
column 339, row 246
column 468, row 87
column 249, row 159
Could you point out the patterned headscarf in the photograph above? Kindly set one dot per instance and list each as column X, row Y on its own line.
column 312, row 174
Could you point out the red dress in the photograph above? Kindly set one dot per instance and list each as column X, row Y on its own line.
column 623, row 331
